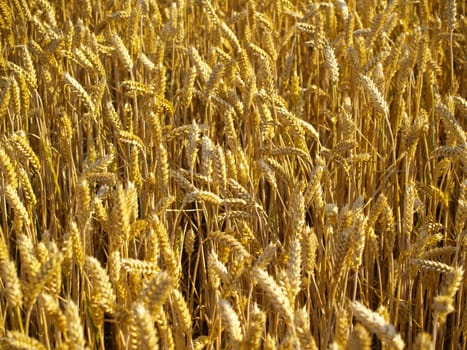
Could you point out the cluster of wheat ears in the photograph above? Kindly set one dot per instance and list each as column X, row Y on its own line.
column 222, row 174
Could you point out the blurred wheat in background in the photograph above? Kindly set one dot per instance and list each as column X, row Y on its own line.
column 220, row 174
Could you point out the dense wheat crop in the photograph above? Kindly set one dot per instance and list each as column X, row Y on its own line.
column 221, row 174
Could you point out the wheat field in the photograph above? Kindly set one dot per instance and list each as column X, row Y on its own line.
column 222, row 174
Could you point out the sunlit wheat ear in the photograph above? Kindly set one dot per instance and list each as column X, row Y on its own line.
column 461, row 106
column 163, row 243
column 452, row 282
column 266, row 256
column 276, row 295
column 442, row 306
column 131, row 139
column 188, row 87
column 28, row 62
column 203, row 196
column 230, row 36
column 25, row 78
column 77, row 244
column 201, row 342
column 253, row 333
column 82, row 60
column 294, row 269
column 79, row 90
column 342, row 327
column 75, row 333
column 268, row 173
column 269, row 343
column 157, row 292
column 376, row 97
column 310, row 245
column 220, row 169
column 312, row 191
column 376, row 324
column 217, row 271
column 51, row 306
column 120, row 217
column 21, row 214
column 208, row 8
column 8, row 169
column 142, row 331
column 135, row 171
column 112, row 116
column 135, row 266
column 27, row 189
column 83, row 204
column 18, row 340
column 192, row 147
column 165, row 332
column 302, row 327
column 9, row 276
column 44, row 276
column 359, row 338
column 182, row 311
column 15, row 92
column 331, row 64
column 237, row 248
column 122, row 52
column 215, row 79
column 432, row 265
column 451, row 124
column 5, row 96
column 289, row 119
column 102, row 296
column 202, row 68
column 358, row 238
column 231, row 322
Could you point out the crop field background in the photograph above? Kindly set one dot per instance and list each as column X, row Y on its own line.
column 220, row 174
